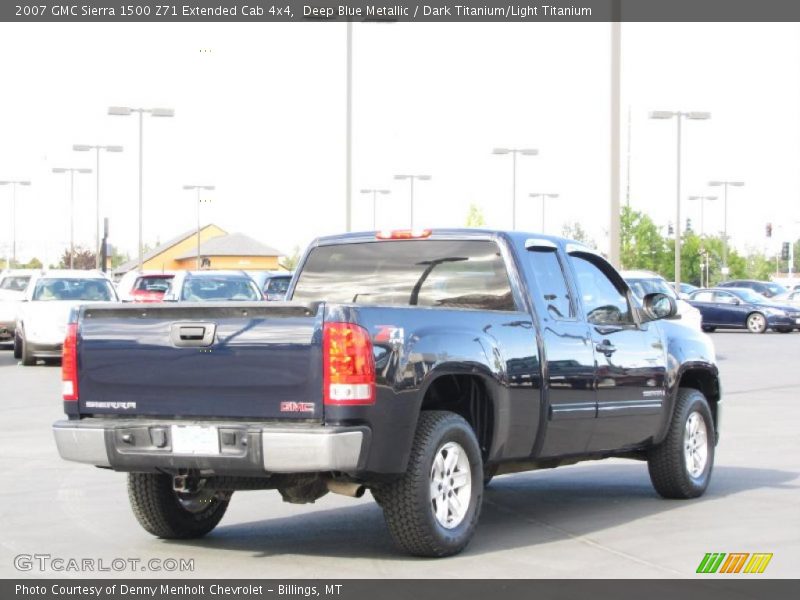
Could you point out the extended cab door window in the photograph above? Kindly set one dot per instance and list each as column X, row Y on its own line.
column 553, row 292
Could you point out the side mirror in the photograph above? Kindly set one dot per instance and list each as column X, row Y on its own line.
column 736, row 302
column 659, row 306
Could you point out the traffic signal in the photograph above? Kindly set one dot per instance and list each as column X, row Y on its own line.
column 670, row 230
column 785, row 251
column 688, row 224
column 769, row 229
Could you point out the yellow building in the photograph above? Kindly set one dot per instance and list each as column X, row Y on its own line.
column 218, row 250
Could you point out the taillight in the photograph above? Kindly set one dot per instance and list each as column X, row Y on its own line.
column 403, row 234
column 348, row 365
column 69, row 364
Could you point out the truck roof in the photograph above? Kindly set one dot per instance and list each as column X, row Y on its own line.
column 517, row 237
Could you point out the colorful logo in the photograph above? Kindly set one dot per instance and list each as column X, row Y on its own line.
column 735, row 562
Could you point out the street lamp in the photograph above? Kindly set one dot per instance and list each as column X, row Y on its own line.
column 71, row 171
column 725, row 184
column 13, row 184
column 198, row 188
column 374, row 193
column 96, row 148
column 695, row 116
column 513, row 152
column 411, row 178
column 544, row 197
column 124, row 111
column 702, row 200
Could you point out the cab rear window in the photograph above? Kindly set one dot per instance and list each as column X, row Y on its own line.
column 432, row 273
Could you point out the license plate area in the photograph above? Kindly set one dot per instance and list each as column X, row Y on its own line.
column 196, row 440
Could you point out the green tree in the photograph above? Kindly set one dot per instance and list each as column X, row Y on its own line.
column 475, row 217
column 82, row 259
column 33, row 263
column 643, row 247
column 290, row 262
column 575, row 231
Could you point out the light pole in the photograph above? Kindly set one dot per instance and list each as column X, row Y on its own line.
column 96, row 148
column 702, row 200
column 513, row 152
column 71, row 171
column 695, row 116
column 411, row 178
column 13, row 184
column 124, row 111
column 198, row 188
column 544, row 196
column 725, row 185
column 375, row 193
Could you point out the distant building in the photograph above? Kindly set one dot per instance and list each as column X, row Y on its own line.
column 218, row 250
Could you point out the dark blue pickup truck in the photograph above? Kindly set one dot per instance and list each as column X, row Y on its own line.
column 415, row 365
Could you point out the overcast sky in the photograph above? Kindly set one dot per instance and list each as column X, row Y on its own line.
column 260, row 114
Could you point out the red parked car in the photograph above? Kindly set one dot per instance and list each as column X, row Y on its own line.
column 144, row 287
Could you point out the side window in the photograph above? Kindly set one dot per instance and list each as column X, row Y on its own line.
column 703, row 297
column 603, row 302
column 551, row 283
column 723, row 298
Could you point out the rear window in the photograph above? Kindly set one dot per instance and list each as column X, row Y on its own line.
column 90, row 290
column 15, row 283
column 277, row 285
column 152, row 283
column 202, row 289
column 434, row 273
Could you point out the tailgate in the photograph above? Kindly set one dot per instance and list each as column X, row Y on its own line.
column 260, row 361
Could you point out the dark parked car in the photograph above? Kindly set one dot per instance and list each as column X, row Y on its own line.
column 768, row 289
column 415, row 366
column 272, row 283
column 741, row 308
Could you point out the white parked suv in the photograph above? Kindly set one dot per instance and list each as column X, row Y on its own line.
column 12, row 289
column 45, row 308
column 647, row 282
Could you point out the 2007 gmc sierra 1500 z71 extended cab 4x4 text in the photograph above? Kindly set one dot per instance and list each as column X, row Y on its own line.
column 417, row 366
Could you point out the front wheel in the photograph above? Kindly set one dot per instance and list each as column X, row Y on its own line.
column 709, row 328
column 172, row 515
column 17, row 346
column 28, row 359
column 433, row 509
column 680, row 466
column 756, row 323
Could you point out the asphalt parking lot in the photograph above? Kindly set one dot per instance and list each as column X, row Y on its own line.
column 590, row 520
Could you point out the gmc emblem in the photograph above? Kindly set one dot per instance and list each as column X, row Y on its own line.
column 305, row 407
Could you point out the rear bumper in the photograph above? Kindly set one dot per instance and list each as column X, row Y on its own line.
column 243, row 448
column 40, row 350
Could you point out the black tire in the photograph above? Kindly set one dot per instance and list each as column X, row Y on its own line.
column 488, row 474
column 407, row 503
column 756, row 323
column 709, row 329
column 17, row 346
column 667, row 462
column 159, row 510
column 28, row 359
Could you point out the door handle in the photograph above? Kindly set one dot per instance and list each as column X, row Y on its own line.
column 199, row 335
column 606, row 347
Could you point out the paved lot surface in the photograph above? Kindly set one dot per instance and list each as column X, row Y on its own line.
column 590, row 520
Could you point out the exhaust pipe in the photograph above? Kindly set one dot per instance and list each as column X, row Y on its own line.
column 346, row 488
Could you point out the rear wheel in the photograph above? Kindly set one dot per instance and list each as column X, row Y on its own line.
column 680, row 466
column 756, row 323
column 709, row 328
column 168, row 514
column 433, row 509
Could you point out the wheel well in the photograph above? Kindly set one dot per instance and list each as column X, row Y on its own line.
column 705, row 382
column 467, row 396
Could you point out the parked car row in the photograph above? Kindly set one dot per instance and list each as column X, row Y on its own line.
column 35, row 304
